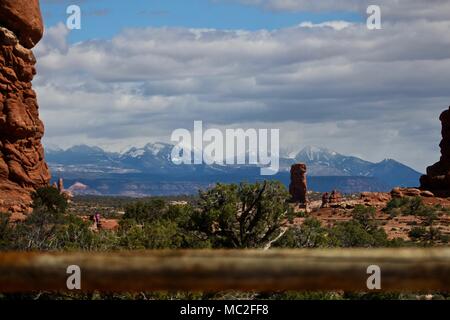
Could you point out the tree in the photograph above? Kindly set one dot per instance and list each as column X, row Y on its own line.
column 148, row 211
column 49, row 199
column 243, row 216
column 39, row 231
column 310, row 234
column 156, row 225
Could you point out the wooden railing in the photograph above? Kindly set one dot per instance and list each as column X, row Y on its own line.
column 218, row 270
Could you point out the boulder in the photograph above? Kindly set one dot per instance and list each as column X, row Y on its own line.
column 109, row 224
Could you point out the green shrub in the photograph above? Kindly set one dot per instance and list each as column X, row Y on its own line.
column 365, row 216
column 147, row 211
column 412, row 206
column 403, row 206
column 159, row 234
column 44, row 231
column 73, row 234
column 417, row 232
column 352, row 234
column 49, row 199
column 310, row 234
column 427, row 235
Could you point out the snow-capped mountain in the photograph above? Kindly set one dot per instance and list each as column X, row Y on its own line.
column 311, row 153
column 153, row 156
column 153, row 163
column 324, row 162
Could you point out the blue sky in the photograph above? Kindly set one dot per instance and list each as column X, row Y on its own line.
column 103, row 19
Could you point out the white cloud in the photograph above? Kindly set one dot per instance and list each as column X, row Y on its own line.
column 393, row 10
column 377, row 94
column 337, row 25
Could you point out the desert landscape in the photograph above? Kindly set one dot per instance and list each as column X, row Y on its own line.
column 91, row 200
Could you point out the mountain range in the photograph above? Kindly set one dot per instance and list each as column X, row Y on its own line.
column 150, row 171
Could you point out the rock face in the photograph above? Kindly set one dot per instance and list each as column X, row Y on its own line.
column 22, row 165
column 298, row 186
column 375, row 199
column 437, row 179
column 23, row 17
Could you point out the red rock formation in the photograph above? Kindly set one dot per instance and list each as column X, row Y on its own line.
column 61, row 185
column 437, row 179
column 22, row 165
column 375, row 197
column 298, row 186
column 335, row 197
column 325, row 200
column 65, row 193
column 23, row 17
column 109, row 224
column 410, row 192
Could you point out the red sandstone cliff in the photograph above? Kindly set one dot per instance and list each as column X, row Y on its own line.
column 22, row 165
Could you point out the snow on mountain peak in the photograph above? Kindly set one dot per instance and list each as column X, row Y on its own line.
column 152, row 148
column 155, row 148
column 135, row 153
column 313, row 153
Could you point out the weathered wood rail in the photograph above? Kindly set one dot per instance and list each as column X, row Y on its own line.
column 217, row 270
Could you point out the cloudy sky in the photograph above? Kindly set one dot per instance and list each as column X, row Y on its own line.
column 137, row 70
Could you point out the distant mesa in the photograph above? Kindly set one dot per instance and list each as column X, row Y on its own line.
column 79, row 189
column 437, row 178
column 22, row 165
